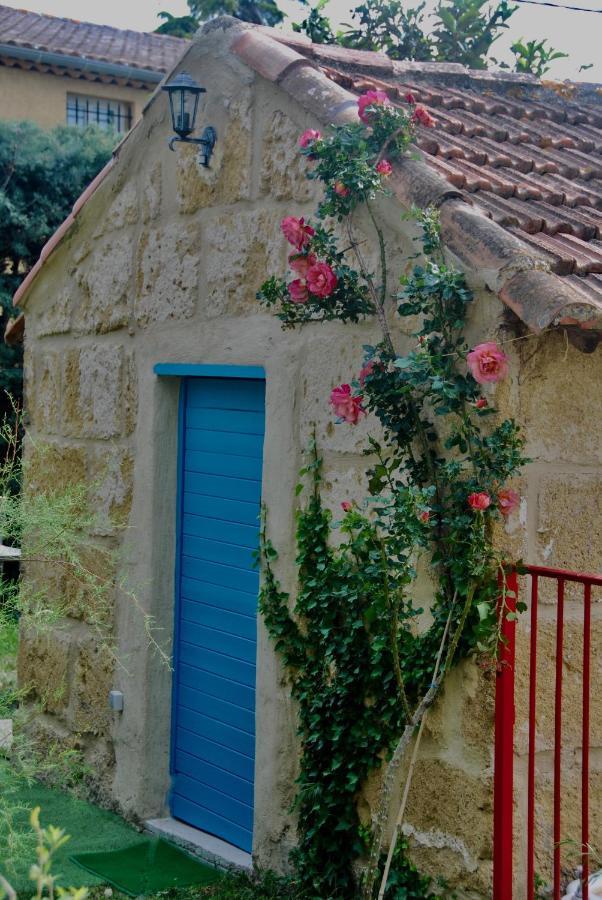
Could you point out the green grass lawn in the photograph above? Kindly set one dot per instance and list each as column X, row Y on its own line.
column 89, row 827
column 94, row 829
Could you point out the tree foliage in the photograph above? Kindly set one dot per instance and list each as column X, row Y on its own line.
column 461, row 31
column 41, row 175
column 177, row 26
column 260, row 12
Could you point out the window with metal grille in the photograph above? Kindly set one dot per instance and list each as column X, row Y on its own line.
column 83, row 110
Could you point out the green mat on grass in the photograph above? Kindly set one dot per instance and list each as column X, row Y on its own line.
column 89, row 827
column 146, row 868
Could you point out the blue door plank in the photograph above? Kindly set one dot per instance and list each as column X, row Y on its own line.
column 250, row 445
column 222, row 464
column 209, row 821
column 216, row 573
column 238, row 512
column 248, row 395
column 206, row 750
column 217, row 552
column 217, row 663
column 226, row 782
column 230, row 645
column 220, row 530
column 222, row 420
column 214, row 617
column 211, row 797
column 216, row 686
column 205, row 726
column 213, row 743
column 242, row 602
column 221, row 710
column 224, row 486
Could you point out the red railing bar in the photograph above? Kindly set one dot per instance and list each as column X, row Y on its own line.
column 587, row 620
column 531, row 761
column 503, row 784
column 582, row 577
column 558, row 736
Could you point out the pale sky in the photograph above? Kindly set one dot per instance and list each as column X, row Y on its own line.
column 577, row 33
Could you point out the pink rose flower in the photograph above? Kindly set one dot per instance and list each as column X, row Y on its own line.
column 384, row 167
column 308, row 137
column 479, row 501
column 346, row 506
column 425, row 516
column 300, row 263
column 366, row 370
column 370, row 98
column 481, row 403
column 296, row 231
column 321, row 280
column 507, row 501
column 298, row 291
column 340, row 189
column 345, row 405
column 487, row 363
column 423, row 116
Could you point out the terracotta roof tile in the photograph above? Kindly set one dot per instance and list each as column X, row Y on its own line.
column 156, row 52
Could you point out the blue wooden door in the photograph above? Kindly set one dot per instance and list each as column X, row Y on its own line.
column 213, row 718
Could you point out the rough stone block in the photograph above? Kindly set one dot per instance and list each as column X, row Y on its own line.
column 167, row 274
column 569, row 524
column 92, row 391
column 122, row 212
column 130, row 394
column 243, row 250
column 43, row 667
column 93, row 672
column 105, row 279
column 229, row 178
column 557, row 410
column 283, row 168
column 44, row 395
column 333, row 355
column 151, row 193
column 50, row 465
column 111, row 473
column 54, row 315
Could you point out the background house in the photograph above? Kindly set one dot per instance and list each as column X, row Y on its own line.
column 142, row 331
column 59, row 71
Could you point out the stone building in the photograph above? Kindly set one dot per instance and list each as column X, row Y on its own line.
column 57, row 71
column 150, row 284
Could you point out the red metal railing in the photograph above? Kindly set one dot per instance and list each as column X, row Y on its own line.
column 503, row 868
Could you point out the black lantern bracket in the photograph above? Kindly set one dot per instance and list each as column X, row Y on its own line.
column 206, row 144
column 184, row 94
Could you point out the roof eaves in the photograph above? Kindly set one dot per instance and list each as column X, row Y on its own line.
column 519, row 274
column 80, row 63
column 63, row 229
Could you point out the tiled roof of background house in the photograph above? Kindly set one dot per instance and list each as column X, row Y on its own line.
column 68, row 37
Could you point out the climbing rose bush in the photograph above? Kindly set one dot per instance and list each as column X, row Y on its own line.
column 439, row 465
column 346, row 405
column 487, row 363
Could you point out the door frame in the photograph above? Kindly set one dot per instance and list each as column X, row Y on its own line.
column 184, row 371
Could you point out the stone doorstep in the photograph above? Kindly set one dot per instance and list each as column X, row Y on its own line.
column 199, row 843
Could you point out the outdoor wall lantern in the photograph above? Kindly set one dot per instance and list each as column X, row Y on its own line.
column 184, row 94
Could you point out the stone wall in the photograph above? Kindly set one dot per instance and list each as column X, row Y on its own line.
column 163, row 266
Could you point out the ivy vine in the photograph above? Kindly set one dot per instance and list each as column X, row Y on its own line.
column 362, row 672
